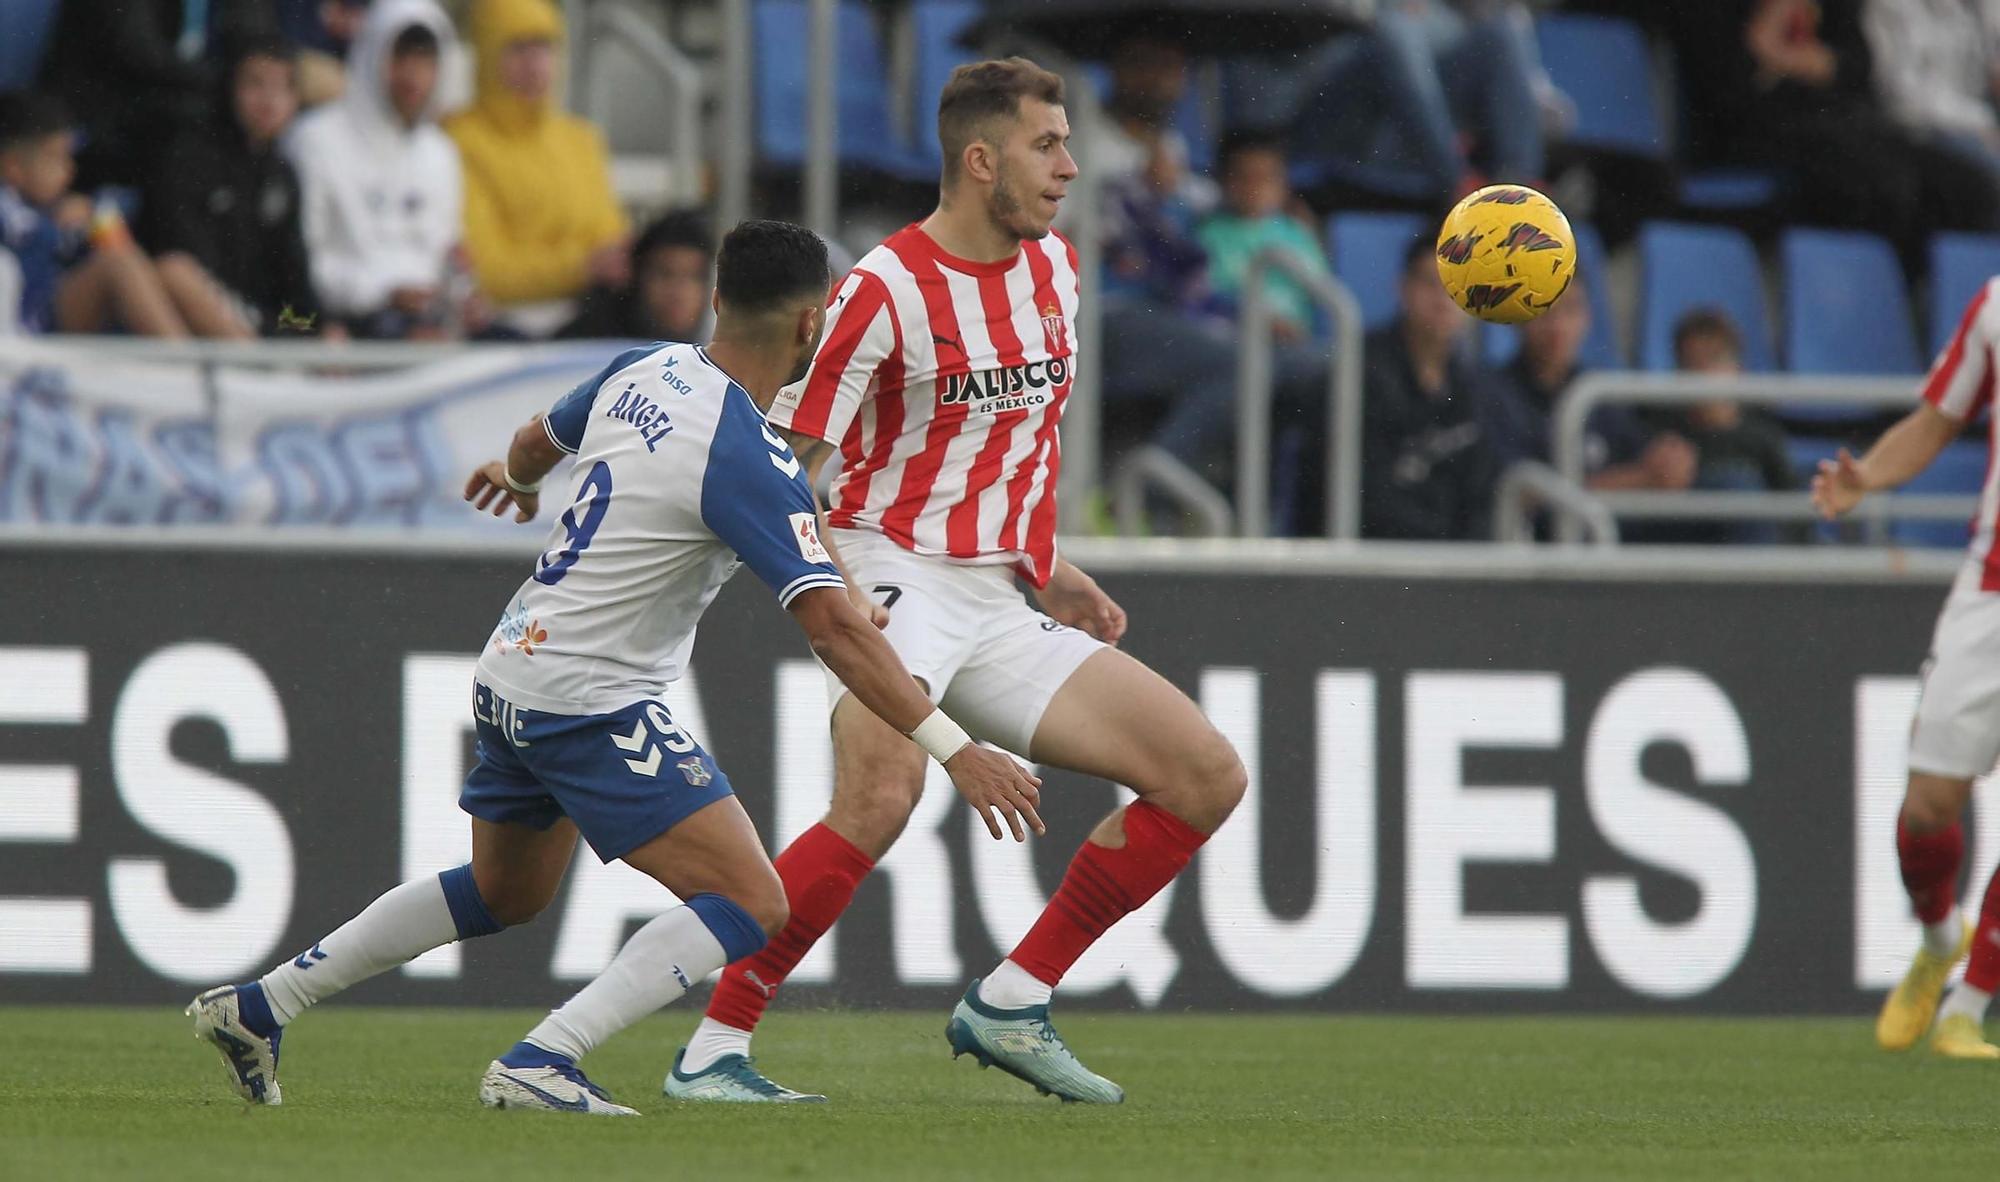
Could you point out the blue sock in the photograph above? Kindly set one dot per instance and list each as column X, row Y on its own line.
column 732, row 927
column 255, row 1011
column 468, row 910
column 527, row 1054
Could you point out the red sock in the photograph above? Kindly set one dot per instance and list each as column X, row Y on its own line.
column 1930, row 864
column 1105, row 885
column 820, row 871
column 1982, row 969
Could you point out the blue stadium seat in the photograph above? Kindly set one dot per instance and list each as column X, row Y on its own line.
column 1960, row 265
column 1604, row 64
column 1959, row 468
column 935, row 26
column 1367, row 254
column 1685, row 266
column 1600, row 349
column 27, row 23
column 1846, row 309
column 867, row 136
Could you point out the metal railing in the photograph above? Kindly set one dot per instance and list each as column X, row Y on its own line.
column 1254, row 376
column 1158, row 469
column 675, row 71
column 1527, row 487
column 1587, row 393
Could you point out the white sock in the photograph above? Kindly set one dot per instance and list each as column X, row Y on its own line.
column 712, row 1040
column 402, row 925
column 1964, row 999
column 1011, row 987
column 1942, row 938
column 658, row 964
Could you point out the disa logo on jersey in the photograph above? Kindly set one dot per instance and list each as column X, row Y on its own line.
column 1011, row 388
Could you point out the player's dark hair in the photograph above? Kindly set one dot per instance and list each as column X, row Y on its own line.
column 415, row 39
column 765, row 265
column 980, row 93
column 27, row 116
column 1243, row 140
column 1707, row 322
column 682, row 228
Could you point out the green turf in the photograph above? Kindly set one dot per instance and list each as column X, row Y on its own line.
column 385, row 1094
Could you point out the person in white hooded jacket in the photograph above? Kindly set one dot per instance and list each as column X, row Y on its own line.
column 382, row 185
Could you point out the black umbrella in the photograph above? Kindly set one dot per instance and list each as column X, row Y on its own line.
column 1090, row 29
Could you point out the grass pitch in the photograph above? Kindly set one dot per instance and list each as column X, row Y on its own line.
column 390, row 1094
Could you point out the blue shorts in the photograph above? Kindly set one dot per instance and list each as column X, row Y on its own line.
column 624, row 777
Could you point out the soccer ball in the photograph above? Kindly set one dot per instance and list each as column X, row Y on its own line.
column 1506, row 253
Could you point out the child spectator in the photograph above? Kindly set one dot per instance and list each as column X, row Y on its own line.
column 1256, row 216
column 78, row 270
column 541, row 222
column 1427, row 473
column 673, row 266
column 384, row 198
column 1738, row 447
column 225, row 218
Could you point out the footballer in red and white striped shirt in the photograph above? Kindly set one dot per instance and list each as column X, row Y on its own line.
column 1956, row 736
column 940, row 382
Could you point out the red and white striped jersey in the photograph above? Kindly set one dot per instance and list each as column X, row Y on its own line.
column 1961, row 386
column 941, row 381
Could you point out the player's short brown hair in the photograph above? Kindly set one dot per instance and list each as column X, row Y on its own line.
column 978, row 93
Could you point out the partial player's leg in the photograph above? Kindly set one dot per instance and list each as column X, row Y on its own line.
column 878, row 777
column 714, row 860
column 1117, row 719
column 514, row 873
column 1930, row 848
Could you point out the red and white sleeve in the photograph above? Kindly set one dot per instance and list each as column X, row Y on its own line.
column 1961, row 379
column 860, row 334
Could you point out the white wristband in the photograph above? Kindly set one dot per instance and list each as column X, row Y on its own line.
column 517, row 486
column 940, row 736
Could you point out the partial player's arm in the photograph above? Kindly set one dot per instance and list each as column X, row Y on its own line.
column 516, row 482
column 812, row 452
column 994, row 785
column 1074, row 598
column 1903, row 451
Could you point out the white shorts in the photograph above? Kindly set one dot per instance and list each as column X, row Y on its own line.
column 1957, row 731
column 986, row 656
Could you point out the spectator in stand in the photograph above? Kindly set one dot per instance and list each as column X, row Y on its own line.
column 1517, row 406
column 323, row 30
column 673, row 265
column 138, row 73
column 384, row 198
column 224, row 219
column 1935, row 69
column 1791, row 90
column 1258, row 214
column 1149, row 77
column 1427, row 472
column 1400, row 101
column 77, row 268
column 1738, row 448
column 541, row 222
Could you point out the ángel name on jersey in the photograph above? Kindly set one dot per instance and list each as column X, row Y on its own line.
column 1014, row 387
column 643, row 413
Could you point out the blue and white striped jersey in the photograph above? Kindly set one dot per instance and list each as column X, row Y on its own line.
column 678, row 480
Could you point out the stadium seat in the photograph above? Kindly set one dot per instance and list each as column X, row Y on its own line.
column 1367, row 254
column 1960, row 265
column 1959, row 468
column 867, row 135
column 1600, row 349
column 1846, row 309
column 1685, row 266
column 1604, row 64
column 27, row 23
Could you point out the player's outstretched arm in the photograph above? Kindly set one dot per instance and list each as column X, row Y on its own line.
column 1074, row 598
column 994, row 785
column 516, row 482
column 1903, row 451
